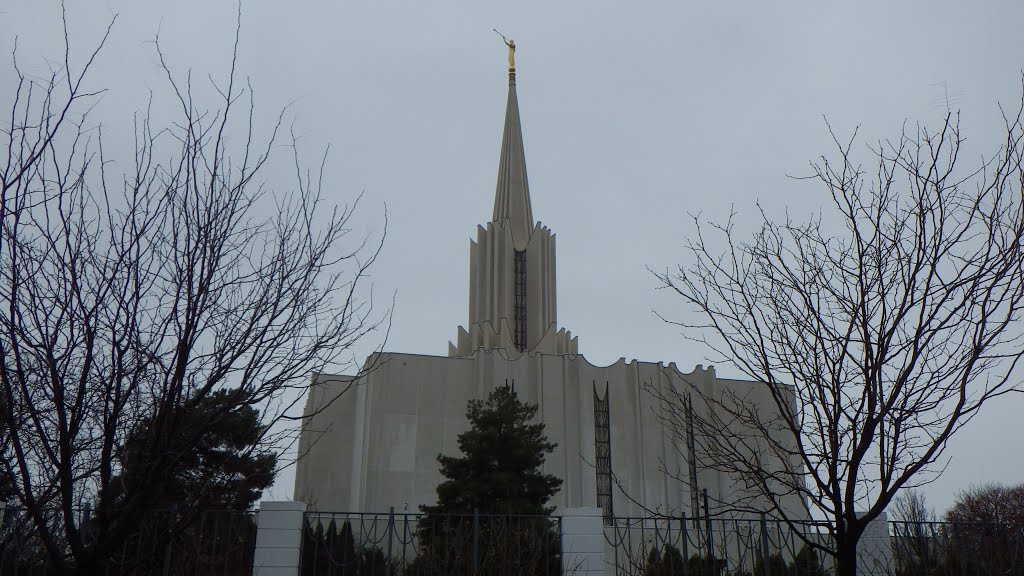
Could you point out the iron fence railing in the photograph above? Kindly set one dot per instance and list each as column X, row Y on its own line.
column 708, row 546
column 764, row 547
column 164, row 543
column 390, row 544
column 957, row 549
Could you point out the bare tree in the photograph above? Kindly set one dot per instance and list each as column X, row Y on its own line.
column 911, row 506
column 988, row 530
column 991, row 504
column 125, row 298
column 916, row 533
column 879, row 328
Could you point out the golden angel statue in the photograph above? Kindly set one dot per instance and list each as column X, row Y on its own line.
column 511, row 50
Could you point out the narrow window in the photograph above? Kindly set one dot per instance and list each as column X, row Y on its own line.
column 691, row 450
column 603, row 454
column 519, row 311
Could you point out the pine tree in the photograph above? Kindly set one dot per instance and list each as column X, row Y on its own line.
column 806, row 563
column 775, row 566
column 212, row 469
column 499, row 471
column 499, row 479
column 219, row 469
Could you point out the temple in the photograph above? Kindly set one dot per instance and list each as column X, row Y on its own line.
column 371, row 442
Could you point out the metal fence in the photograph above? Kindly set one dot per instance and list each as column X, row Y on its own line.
column 361, row 544
column 391, row 544
column 711, row 547
column 763, row 547
column 214, row 543
column 957, row 549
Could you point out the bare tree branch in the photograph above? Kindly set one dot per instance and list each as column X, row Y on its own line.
column 124, row 301
column 879, row 330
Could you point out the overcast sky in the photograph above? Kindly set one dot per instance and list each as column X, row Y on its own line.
column 634, row 114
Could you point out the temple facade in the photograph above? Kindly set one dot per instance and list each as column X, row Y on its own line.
column 371, row 442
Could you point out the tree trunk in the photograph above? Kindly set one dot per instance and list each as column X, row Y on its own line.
column 846, row 557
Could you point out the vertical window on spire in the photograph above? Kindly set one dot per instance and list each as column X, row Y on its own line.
column 519, row 311
column 603, row 454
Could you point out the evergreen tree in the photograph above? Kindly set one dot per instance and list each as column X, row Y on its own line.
column 211, row 470
column 217, row 469
column 665, row 562
column 499, row 471
column 499, row 479
column 670, row 562
column 333, row 552
column 806, row 563
column 775, row 566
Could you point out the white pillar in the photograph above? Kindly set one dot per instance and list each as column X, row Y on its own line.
column 874, row 551
column 583, row 541
column 278, row 539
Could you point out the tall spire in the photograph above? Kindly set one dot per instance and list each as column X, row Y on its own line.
column 512, row 262
column 512, row 197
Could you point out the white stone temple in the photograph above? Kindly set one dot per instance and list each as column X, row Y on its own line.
column 376, row 446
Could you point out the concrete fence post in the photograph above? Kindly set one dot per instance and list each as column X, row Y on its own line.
column 583, row 541
column 874, row 551
column 278, row 539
